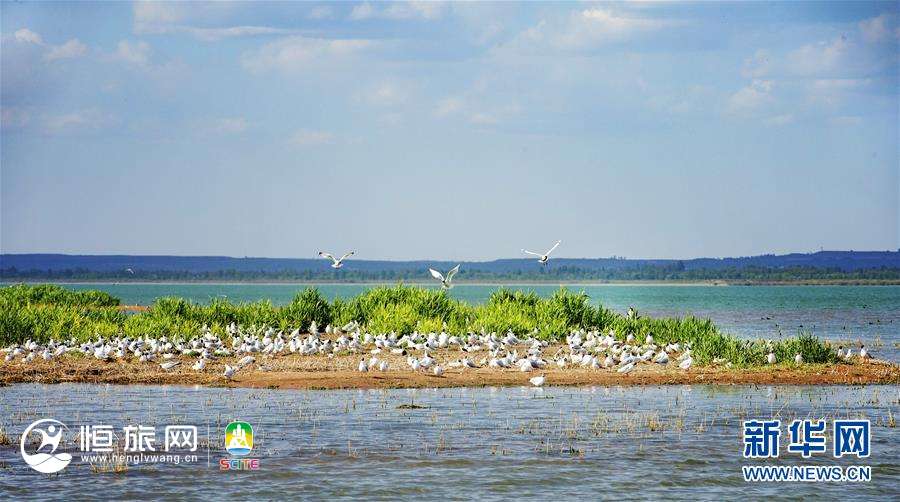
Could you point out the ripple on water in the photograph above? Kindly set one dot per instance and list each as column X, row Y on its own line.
column 487, row 443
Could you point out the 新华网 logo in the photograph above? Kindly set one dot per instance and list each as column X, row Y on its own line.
column 44, row 458
column 238, row 438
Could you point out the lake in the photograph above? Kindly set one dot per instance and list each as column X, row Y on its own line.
column 843, row 314
column 673, row 442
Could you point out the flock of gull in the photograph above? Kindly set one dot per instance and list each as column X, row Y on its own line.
column 417, row 352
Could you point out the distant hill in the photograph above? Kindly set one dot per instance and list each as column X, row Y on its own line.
column 823, row 264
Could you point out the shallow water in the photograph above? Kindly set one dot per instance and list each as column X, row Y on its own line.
column 844, row 314
column 487, row 443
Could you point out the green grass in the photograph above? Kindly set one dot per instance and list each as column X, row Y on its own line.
column 43, row 312
column 51, row 294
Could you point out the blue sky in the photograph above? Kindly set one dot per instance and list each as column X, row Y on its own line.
column 449, row 130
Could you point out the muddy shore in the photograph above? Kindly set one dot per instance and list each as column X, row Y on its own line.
column 318, row 372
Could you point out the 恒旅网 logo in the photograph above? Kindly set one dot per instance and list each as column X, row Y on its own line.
column 238, row 438
column 44, row 457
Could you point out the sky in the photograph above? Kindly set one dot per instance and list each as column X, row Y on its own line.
column 449, row 130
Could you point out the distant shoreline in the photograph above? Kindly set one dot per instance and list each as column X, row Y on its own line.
column 822, row 282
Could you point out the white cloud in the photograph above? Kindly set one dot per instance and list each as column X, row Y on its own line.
column 587, row 29
column 757, row 65
column 832, row 91
column 71, row 49
column 150, row 13
column 231, row 125
column 751, row 97
column 362, row 11
column 476, row 108
column 166, row 75
column 297, row 53
column 875, row 29
column 399, row 10
column 678, row 100
column 820, row 58
column 416, row 9
column 482, row 118
column 79, row 121
column 845, row 121
column 385, row 94
column 391, row 119
column 783, row 119
column 216, row 34
column 321, row 12
column 159, row 18
column 448, row 106
column 25, row 35
column 307, row 137
column 133, row 53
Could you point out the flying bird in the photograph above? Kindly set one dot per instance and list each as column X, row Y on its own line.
column 338, row 262
column 445, row 282
column 543, row 258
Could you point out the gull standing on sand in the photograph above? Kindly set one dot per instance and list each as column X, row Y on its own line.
column 229, row 372
column 626, row 368
column 445, row 281
column 537, row 381
column 337, row 262
column 169, row 365
column 545, row 257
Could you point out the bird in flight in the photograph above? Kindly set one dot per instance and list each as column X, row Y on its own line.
column 337, row 262
column 543, row 258
column 445, row 281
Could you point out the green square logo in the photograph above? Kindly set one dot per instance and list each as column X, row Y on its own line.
column 238, row 438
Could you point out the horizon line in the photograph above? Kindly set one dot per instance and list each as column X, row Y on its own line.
column 614, row 257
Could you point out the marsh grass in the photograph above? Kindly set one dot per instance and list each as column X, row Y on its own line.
column 113, row 463
column 45, row 312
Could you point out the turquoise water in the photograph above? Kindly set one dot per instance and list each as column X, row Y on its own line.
column 844, row 314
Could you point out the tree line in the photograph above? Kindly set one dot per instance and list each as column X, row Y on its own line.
column 669, row 272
